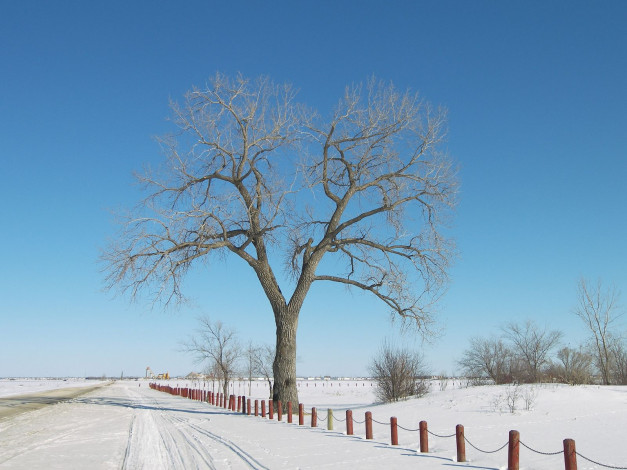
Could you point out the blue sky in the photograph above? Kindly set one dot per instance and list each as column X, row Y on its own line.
column 537, row 100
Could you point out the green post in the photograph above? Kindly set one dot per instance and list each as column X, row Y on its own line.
column 330, row 419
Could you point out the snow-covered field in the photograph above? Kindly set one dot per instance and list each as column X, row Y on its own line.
column 15, row 386
column 128, row 425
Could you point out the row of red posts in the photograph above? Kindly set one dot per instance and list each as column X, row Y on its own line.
column 241, row 404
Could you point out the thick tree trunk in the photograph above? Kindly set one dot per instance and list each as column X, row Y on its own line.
column 284, row 366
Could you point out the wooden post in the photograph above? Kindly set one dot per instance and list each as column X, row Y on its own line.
column 244, row 404
column 349, row 422
column 301, row 414
column 248, row 406
column 263, row 408
column 289, row 412
column 330, row 419
column 394, row 430
column 239, row 403
column 271, row 409
column 256, row 407
column 368, row 425
column 570, row 455
column 424, row 437
column 513, row 450
column 461, row 444
column 314, row 418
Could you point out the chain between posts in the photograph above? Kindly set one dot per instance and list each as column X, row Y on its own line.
column 379, row 422
column 539, row 452
column 599, row 463
column 486, row 451
column 443, row 436
column 405, row 429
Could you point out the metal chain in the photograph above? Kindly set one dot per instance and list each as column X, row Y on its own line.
column 486, row 451
column 538, row 452
column 599, row 463
column 443, row 436
column 378, row 422
column 405, row 429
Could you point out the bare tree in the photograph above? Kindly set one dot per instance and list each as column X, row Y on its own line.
column 619, row 362
column 250, row 356
column 263, row 363
column 399, row 373
column 532, row 345
column 371, row 189
column 487, row 358
column 575, row 366
column 598, row 309
column 218, row 344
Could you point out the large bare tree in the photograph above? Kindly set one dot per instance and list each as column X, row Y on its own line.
column 598, row 308
column 254, row 174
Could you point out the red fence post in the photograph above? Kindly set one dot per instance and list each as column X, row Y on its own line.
column 289, row 412
column 314, row 418
column 239, row 403
column 424, row 437
column 263, row 408
column 271, row 409
column 256, row 407
column 461, row 444
column 513, row 450
column 248, row 406
column 368, row 425
column 570, row 455
column 301, row 414
column 349, row 423
column 279, row 410
column 394, row 431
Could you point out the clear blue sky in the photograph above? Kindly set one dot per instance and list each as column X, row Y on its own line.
column 537, row 99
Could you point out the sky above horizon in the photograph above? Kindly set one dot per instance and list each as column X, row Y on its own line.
column 537, row 107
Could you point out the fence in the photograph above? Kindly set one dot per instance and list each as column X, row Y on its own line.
column 243, row 405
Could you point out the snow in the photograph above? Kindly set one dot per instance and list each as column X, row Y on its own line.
column 14, row 386
column 127, row 425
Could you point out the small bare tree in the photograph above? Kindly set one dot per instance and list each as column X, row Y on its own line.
column 218, row 344
column 399, row 373
column 250, row 357
column 264, row 358
column 575, row 367
column 369, row 192
column 598, row 309
column 619, row 362
column 487, row 358
column 532, row 345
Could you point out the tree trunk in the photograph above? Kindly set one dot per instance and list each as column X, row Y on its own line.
column 284, row 366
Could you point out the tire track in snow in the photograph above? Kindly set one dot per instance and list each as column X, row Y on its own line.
column 154, row 434
column 244, row 456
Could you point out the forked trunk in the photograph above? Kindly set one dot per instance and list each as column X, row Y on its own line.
column 284, row 366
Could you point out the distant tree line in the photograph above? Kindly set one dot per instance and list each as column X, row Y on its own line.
column 528, row 353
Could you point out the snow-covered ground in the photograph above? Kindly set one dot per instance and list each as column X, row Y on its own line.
column 15, row 386
column 128, row 425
